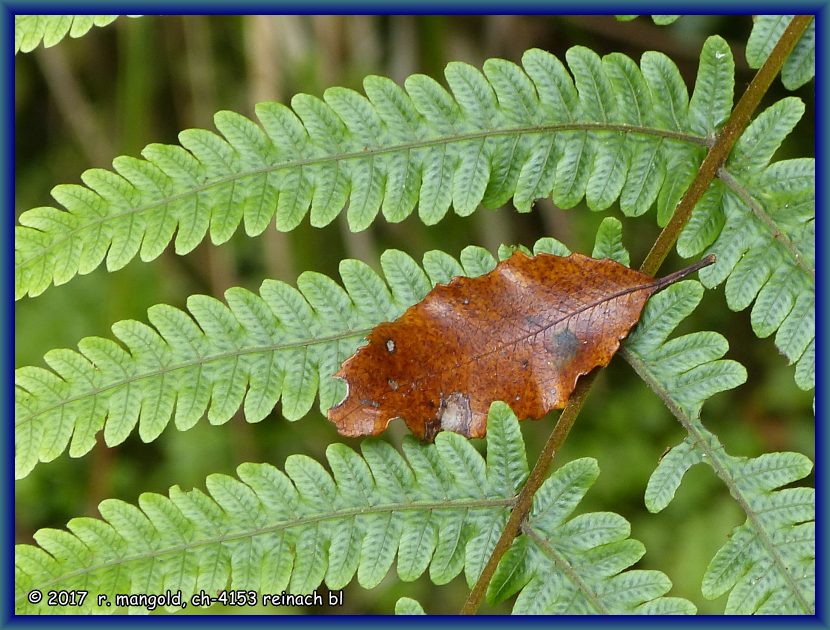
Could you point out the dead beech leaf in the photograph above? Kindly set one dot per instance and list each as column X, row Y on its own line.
column 522, row 333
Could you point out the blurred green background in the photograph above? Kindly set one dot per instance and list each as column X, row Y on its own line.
column 85, row 101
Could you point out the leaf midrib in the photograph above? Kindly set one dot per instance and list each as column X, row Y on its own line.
column 200, row 360
column 465, row 504
column 365, row 153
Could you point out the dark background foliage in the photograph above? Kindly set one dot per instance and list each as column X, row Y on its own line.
column 83, row 102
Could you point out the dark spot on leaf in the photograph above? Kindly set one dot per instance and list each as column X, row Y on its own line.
column 561, row 345
column 431, row 429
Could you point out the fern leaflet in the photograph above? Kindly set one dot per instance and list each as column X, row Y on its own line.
column 442, row 508
column 610, row 132
column 281, row 345
column 32, row 30
column 561, row 565
column 768, row 564
column 800, row 67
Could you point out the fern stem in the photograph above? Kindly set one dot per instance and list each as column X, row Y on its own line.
column 713, row 457
column 726, row 139
column 524, row 502
column 727, row 178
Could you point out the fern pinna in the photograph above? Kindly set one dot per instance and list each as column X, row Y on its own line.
column 282, row 345
column 439, row 509
column 768, row 564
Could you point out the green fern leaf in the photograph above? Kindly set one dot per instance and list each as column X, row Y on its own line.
column 408, row 606
column 711, row 100
column 30, row 31
column 564, row 565
column 768, row 563
column 762, row 138
column 800, row 66
column 759, row 222
column 659, row 20
column 270, row 530
column 509, row 132
column 284, row 344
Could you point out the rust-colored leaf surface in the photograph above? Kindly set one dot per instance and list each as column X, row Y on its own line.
column 522, row 333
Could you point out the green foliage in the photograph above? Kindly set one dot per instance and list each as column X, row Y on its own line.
column 800, row 67
column 609, row 242
column 510, row 132
column 442, row 508
column 760, row 223
column 768, row 563
column 608, row 132
column 565, row 566
column 690, row 366
column 611, row 133
column 32, row 30
column 283, row 344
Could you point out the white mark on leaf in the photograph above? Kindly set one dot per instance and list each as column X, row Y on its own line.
column 455, row 413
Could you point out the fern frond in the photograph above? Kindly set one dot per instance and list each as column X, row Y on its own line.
column 32, row 30
column 608, row 133
column 768, row 563
column 283, row 344
column 800, row 67
column 561, row 565
column 758, row 219
column 440, row 508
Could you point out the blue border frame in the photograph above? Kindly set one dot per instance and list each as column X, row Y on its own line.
column 458, row 7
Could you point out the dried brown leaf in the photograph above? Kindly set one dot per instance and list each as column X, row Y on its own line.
column 523, row 333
